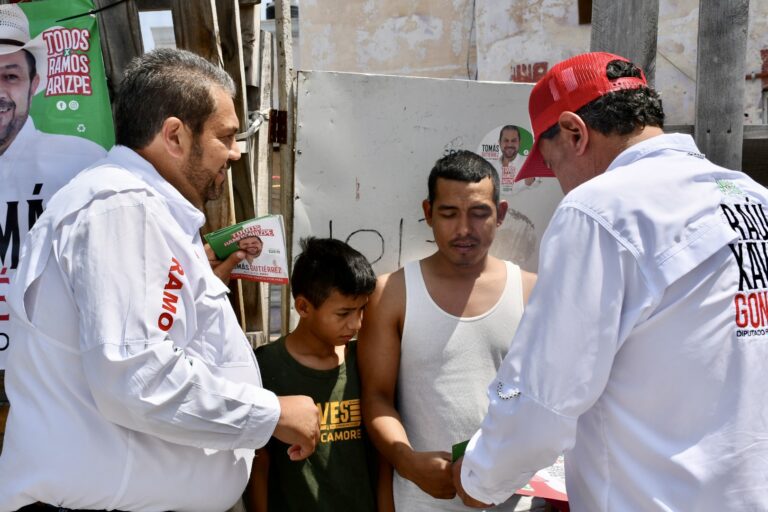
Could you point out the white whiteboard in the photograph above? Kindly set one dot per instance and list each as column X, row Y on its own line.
column 365, row 145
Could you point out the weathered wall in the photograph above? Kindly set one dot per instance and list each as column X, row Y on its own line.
column 518, row 40
column 415, row 37
column 515, row 40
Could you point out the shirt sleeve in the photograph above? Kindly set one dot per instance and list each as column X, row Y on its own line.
column 590, row 292
column 141, row 376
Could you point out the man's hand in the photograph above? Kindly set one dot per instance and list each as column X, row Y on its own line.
column 431, row 471
column 460, row 492
column 298, row 426
column 222, row 269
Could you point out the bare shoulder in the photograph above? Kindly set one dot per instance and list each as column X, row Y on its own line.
column 382, row 319
column 528, row 281
column 389, row 295
column 378, row 348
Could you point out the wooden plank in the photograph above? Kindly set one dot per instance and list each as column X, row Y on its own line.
column 195, row 25
column 120, row 39
column 722, row 46
column 264, row 148
column 264, row 162
column 250, row 28
column 286, row 90
column 242, row 173
column 628, row 28
column 153, row 5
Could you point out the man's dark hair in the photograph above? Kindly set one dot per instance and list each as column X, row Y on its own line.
column 462, row 165
column 161, row 84
column 620, row 112
column 31, row 64
column 509, row 127
column 327, row 264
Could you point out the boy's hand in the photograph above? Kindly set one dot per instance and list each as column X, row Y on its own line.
column 460, row 492
column 298, row 426
column 223, row 269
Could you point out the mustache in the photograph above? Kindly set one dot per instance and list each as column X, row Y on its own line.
column 5, row 103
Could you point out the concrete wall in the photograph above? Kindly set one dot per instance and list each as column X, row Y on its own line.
column 416, row 37
column 504, row 40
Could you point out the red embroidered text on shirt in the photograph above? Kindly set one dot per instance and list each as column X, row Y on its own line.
column 165, row 320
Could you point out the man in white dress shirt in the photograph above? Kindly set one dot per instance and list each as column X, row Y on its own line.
column 132, row 386
column 644, row 348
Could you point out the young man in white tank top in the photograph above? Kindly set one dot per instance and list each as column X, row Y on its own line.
column 435, row 333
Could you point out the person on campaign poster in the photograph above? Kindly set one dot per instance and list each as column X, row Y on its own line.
column 33, row 164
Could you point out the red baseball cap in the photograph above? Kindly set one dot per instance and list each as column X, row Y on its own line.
column 568, row 86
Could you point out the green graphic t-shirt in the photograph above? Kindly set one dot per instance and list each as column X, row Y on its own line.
column 340, row 474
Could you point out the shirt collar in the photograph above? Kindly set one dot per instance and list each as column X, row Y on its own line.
column 189, row 218
column 671, row 141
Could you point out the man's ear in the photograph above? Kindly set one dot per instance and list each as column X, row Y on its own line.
column 427, row 207
column 575, row 131
column 176, row 137
column 33, row 85
column 302, row 305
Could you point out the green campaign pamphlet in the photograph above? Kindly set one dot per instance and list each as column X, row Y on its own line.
column 547, row 483
column 457, row 450
column 263, row 241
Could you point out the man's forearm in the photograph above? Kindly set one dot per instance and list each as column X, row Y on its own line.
column 389, row 437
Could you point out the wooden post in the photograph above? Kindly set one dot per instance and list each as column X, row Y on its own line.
column 120, row 39
column 242, row 173
column 239, row 183
column 719, row 124
column 286, row 95
column 264, row 163
column 196, row 27
column 628, row 28
column 250, row 28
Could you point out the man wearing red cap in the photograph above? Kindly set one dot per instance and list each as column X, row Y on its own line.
column 643, row 350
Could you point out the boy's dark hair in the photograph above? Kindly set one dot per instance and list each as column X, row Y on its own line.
column 620, row 112
column 466, row 166
column 327, row 264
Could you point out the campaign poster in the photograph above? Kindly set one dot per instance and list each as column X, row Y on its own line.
column 263, row 242
column 75, row 100
column 55, row 118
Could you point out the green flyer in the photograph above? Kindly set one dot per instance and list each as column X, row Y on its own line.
column 263, row 242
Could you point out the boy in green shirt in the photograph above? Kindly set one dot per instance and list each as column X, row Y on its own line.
column 331, row 283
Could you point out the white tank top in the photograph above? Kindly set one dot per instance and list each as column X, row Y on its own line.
column 446, row 365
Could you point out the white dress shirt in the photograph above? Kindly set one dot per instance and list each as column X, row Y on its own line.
column 643, row 351
column 132, row 386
